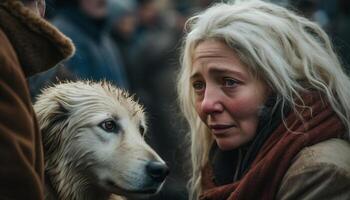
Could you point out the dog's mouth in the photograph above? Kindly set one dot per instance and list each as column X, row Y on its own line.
column 114, row 188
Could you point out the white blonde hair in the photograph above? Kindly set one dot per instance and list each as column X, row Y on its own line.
column 290, row 53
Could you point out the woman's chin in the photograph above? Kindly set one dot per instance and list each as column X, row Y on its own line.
column 229, row 143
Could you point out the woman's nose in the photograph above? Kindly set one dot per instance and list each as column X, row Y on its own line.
column 211, row 102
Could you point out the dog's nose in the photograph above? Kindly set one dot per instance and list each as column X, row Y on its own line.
column 157, row 170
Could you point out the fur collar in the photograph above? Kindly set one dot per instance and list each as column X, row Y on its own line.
column 38, row 44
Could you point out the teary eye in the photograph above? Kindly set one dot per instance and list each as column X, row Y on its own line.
column 229, row 82
column 198, row 85
column 109, row 126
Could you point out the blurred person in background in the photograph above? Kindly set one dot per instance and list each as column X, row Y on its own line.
column 333, row 16
column 123, row 23
column 152, row 53
column 28, row 45
column 97, row 57
column 149, row 50
column 340, row 31
column 311, row 9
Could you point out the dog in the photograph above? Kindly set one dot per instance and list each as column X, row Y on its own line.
column 94, row 148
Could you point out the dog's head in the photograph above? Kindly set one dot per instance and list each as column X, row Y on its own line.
column 94, row 131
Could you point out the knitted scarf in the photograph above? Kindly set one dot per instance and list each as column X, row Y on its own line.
column 265, row 174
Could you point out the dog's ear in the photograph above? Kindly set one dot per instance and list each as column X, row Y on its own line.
column 52, row 117
column 50, row 113
column 58, row 116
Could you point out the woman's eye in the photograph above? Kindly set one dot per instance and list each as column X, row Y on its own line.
column 198, row 85
column 229, row 82
column 109, row 126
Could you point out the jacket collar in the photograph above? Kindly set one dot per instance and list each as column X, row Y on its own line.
column 38, row 44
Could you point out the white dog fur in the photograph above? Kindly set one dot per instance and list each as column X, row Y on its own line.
column 93, row 143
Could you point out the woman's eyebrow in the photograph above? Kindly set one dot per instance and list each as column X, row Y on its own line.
column 220, row 71
column 195, row 76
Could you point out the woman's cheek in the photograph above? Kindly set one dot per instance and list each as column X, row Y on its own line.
column 200, row 112
column 244, row 108
column 245, row 114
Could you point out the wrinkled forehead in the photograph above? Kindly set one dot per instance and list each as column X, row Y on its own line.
column 218, row 48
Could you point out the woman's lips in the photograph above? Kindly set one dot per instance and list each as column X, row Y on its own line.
column 220, row 129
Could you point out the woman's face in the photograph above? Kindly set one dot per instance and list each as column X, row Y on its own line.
column 228, row 97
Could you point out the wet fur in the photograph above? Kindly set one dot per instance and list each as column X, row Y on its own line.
column 79, row 156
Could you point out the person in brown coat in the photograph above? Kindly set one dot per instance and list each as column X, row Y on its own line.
column 28, row 45
column 267, row 103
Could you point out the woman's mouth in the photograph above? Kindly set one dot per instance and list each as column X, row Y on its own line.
column 220, row 129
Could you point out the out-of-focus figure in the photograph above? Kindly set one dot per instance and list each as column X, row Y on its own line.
column 97, row 57
column 340, row 30
column 123, row 24
column 312, row 9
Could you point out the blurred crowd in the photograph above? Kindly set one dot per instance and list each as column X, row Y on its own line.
column 334, row 17
column 135, row 45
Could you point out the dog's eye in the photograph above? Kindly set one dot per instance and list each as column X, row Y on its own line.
column 109, row 126
column 142, row 130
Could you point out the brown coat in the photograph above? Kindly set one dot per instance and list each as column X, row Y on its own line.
column 28, row 45
column 321, row 171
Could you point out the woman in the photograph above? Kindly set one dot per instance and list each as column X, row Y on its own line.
column 267, row 104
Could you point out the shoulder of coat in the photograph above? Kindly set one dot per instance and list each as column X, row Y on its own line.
column 330, row 153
